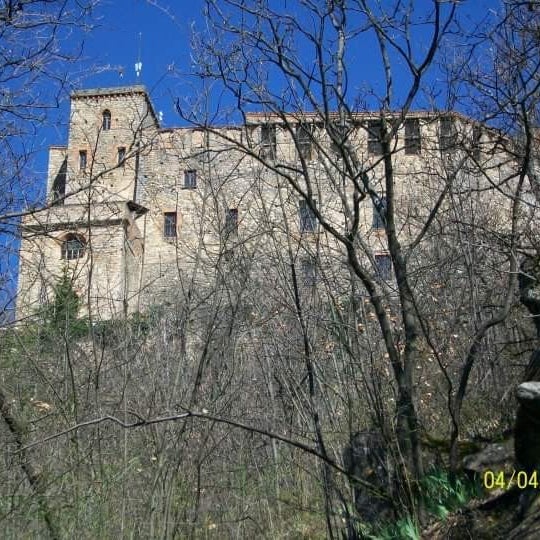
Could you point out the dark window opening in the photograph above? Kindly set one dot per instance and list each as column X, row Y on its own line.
column 106, row 120
column 374, row 130
column 121, row 156
column 308, row 220
column 58, row 190
column 304, row 140
column 268, row 141
column 190, row 179
column 413, row 141
column 73, row 247
column 309, row 271
column 231, row 221
column 340, row 134
column 447, row 133
column 383, row 265
column 229, row 255
column 169, row 224
column 83, row 160
column 379, row 212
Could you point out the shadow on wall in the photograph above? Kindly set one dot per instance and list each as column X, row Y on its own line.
column 59, row 184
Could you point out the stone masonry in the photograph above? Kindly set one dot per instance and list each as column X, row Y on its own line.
column 134, row 209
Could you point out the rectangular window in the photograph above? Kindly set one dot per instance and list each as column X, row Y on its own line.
column 383, row 266
column 379, row 212
column 374, row 130
column 190, row 179
column 121, row 156
column 447, row 133
column 83, row 158
column 304, row 134
column 413, row 142
column 308, row 220
column 341, row 134
column 309, row 271
column 231, row 221
column 169, row 224
column 268, row 141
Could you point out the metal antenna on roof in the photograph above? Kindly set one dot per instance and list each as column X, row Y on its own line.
column 138, row 64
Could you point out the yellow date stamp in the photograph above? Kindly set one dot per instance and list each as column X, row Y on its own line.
column 506, row 480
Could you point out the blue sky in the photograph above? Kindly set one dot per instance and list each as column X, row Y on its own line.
column 111, row 49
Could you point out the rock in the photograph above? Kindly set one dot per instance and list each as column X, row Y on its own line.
column 528, row 394
column 365, row 457
column 529, row 288
column 527, row 438
column 495, row 456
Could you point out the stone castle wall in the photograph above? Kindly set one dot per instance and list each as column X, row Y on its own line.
column 118, row 208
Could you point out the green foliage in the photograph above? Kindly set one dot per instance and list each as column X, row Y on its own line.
column 65, row 306
column 404, row 529
column 60, row 317
column 114, row 332
column 443, row 495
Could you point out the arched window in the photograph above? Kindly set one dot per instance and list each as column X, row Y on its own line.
column 73, row 247
column 106, row 124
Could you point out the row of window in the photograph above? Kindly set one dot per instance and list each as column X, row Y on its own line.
column 307, row 219
column 383, row 268
column 74, row 247
column 170, row 223
column 190, row 176
column 412, row 142
column 304, row 138
column 83, row 158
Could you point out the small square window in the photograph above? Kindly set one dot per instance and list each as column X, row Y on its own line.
column 73, row 247
column 383, row 264
column 413, row 141
column 308, row 220
column 231, row 221
column 121, row 156
column 83, row 159
column 268, row 141
column 190, row 179
column 379, row 212
column 169, row 225
column 374, row 130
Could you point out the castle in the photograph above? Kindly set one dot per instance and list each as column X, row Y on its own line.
column 135, row 211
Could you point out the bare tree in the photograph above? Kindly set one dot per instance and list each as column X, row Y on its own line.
column 36, row 50
column 248, row 49
column 298, row 77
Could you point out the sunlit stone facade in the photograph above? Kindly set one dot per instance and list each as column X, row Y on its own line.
column 136, row 211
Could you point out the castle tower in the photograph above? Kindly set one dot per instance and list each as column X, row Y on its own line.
column 92, row 226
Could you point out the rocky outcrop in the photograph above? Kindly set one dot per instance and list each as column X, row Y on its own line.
column 493, row 457
column 527, row 426
column 496, row 518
